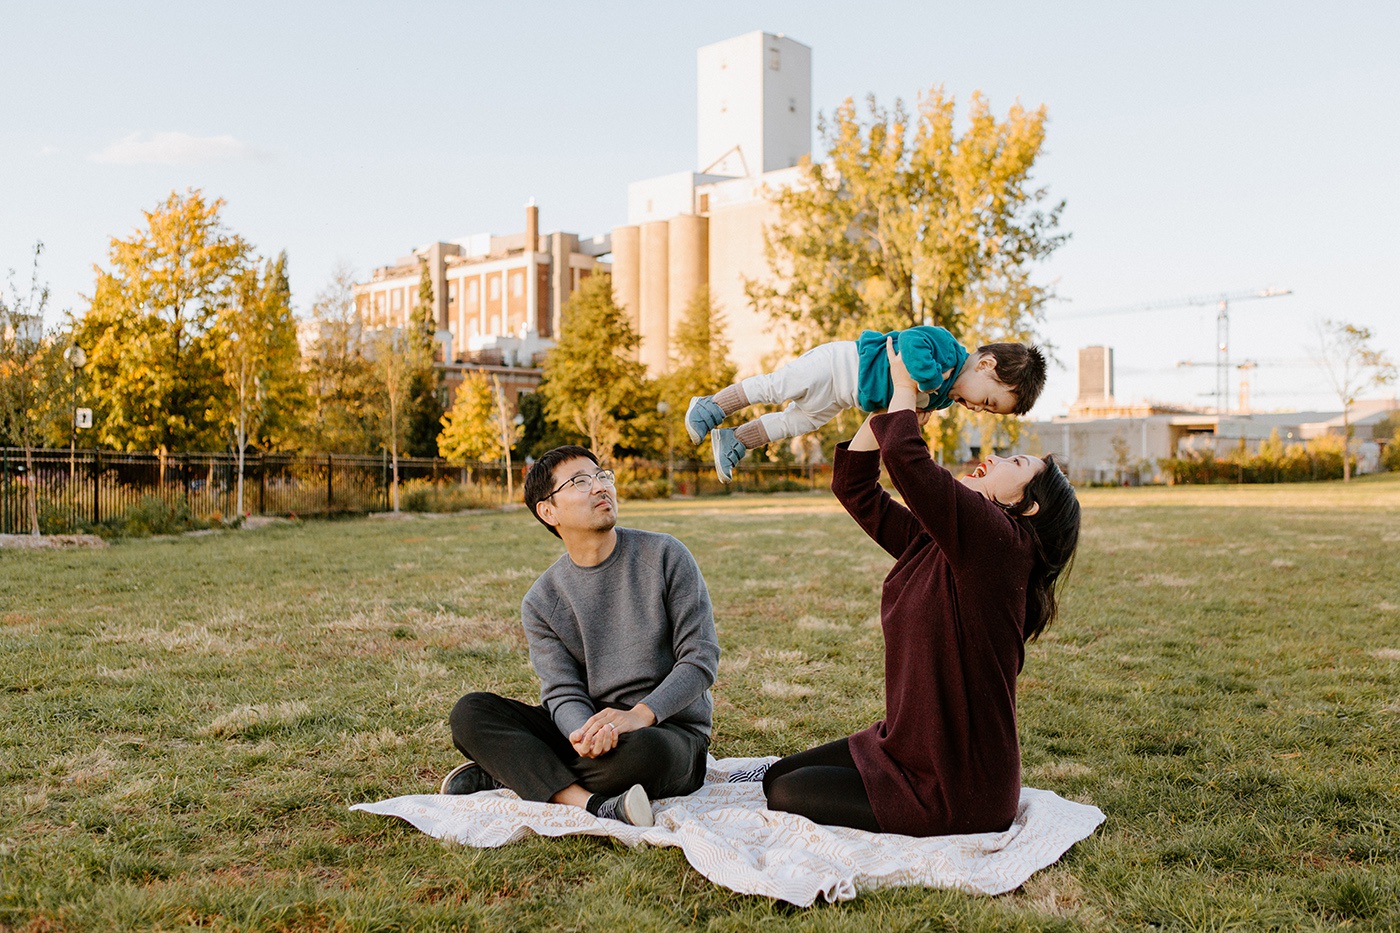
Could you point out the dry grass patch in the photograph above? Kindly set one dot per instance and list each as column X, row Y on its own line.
column 818, row 624
column 90, row 767
column 198, row 639
column 243, row 719
column 1060, row 771
column 1167, row 579
column 785, row 690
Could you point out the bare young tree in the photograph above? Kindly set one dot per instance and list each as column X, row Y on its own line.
column 1354, row 367
column 31, row 374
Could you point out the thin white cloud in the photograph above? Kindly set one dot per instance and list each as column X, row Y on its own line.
column 174, row 149
column 48, row 150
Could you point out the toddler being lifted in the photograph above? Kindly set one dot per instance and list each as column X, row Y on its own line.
column 1002, row 378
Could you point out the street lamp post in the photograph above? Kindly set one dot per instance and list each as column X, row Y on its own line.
column 77, row 359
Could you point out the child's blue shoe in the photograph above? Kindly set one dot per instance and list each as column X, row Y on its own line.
column 728, row 453
column 701, row 417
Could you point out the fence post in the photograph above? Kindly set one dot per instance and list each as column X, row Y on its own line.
column 96, row 485
column 4, row 490
column 262, row 485
column 330, row 484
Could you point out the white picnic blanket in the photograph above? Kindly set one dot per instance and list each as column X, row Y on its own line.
column 729, row 836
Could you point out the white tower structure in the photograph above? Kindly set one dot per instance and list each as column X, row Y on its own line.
column 754, row 94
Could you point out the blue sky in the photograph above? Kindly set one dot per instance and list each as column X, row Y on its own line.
column 1200, row 147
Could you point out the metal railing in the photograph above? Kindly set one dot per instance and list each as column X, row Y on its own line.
column 85, row 489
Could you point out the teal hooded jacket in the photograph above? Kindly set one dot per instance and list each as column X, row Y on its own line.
column 928, row 352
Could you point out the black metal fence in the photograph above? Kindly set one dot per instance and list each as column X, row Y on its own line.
column 85, row 489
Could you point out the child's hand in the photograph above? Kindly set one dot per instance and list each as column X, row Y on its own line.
column 899, row 373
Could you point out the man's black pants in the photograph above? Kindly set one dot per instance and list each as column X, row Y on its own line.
column 520, row 746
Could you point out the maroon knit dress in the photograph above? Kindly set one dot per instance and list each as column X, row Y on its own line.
column 945, row 759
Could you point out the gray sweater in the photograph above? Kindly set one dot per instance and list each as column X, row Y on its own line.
column 637, row 628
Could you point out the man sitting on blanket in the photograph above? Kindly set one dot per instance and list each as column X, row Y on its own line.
column 622, row 637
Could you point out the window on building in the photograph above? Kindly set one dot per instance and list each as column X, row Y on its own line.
column 452, row 293
column 775, row 62
column 472, row 292
column 495, row 324
column 493, row 290
column 704, row 203
column 398, row 299
column 517, row 285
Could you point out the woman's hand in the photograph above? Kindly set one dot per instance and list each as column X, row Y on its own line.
column 906, row 391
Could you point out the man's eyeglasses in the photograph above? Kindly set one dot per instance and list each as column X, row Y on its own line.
column 584, row 481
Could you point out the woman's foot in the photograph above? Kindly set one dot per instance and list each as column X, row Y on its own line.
column 703, row 416
column 728, row 452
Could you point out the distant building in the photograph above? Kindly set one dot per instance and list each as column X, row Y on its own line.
column 705, row 227
column 1101, row 440
column 497, row 299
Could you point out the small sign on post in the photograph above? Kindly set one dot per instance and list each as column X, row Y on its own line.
column 82, row 418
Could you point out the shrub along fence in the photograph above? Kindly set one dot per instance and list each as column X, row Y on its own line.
column 97, row 490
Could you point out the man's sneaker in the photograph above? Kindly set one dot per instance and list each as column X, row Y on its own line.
column 631, row 807
column 728, row 453
column 468, row 778
column 702, row 417
column 755, row 773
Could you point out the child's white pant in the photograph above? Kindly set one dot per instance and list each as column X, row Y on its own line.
column 819, row 385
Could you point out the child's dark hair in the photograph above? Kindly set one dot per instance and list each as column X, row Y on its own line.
column 539, row 482
column 1021, row 369
column 1054, row 530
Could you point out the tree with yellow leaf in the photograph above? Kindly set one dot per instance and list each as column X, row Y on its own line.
column 939, row 228
column 471, row 430
column 156, row 378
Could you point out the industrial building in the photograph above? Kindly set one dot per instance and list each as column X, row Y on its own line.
column 705, row 227
column 497, row 299
column 1103, row 441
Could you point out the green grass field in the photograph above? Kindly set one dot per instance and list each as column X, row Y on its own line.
column 184, row 722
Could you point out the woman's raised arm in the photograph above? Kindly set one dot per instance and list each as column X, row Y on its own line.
column 950, row 512
column 856, row 482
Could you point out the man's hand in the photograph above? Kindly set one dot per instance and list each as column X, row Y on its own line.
column 599, row 735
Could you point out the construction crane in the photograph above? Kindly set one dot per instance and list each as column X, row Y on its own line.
column 1222, row 327
column 1245, row 368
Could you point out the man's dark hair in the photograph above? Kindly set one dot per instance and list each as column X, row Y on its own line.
column 539, row 482
column 1021, row 369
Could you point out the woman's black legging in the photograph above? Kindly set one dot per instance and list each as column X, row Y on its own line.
column 823, row 785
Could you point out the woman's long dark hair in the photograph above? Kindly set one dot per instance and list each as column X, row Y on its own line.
column 1054, row 530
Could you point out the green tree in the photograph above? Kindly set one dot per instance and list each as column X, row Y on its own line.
column 155, row 373
column 471, row 430
column 33, row 388
column 700, row 362
column 342, row 385
column 425, row 407
column 593, row 383
column 940, row 228
column 1354, row 367
column 538, row 433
